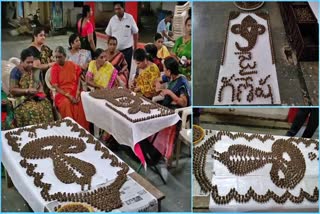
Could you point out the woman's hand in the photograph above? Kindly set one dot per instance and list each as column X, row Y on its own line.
column 71, row 98
column 32, row 91
column 51, row 64
column 136, row 89
column 131, row 85
column 85, row 66
column 158, row 86
column 165, row 92
column 78, row 96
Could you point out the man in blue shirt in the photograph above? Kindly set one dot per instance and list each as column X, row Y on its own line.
column 163, row 28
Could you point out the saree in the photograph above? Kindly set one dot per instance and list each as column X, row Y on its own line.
column 7, row 116
column 179, row 86
column 29, row 111
column 80, row 58
column 105, row 76
column 44, row 55
column 181, row 49
column 165, row 139
column 145, row 80
column 66, row 77
column 163, row 52
column 118, row 61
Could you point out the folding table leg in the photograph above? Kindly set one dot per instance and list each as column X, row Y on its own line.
column 96, row 131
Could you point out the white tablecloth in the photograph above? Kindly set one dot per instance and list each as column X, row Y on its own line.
column 258, row 179
column 314, row 5
column 24, row 183
column 261, row 54
column 124, row 131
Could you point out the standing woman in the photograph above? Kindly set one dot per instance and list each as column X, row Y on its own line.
column 85, row 30
column 42, row 54
column 182, row 50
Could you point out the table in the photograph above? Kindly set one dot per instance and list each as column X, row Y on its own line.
column 139, row 188
column 124, row 131
column 259, row 179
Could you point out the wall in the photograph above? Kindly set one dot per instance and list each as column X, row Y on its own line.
column 74, row 12
column 30, row 8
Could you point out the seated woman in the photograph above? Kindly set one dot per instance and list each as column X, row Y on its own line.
column 177, row 93
column 101, row 74
column 65, row 78
column 162, row 49
column 146, row 74
column 77, row 55
column 117, row 59
column 26, row 87
column 152, row 50
column 182, row 50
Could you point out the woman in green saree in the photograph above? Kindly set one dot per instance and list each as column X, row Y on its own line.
column 182, row 50
column 25, row 86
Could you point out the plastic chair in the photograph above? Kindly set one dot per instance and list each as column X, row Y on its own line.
column 53, row 92
column 6, row 71
column 185, row 131
column 180, row 15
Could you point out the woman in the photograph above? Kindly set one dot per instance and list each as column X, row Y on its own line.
column 182, row 50
column 146, row 75
column 101, row 73
column 162, row 50
column 25, row 86
column 117, row 59
column 77, row 55
column 65, row 78
column 85, row 30
column 152, row 50
column 41, row 53
column 177, row 94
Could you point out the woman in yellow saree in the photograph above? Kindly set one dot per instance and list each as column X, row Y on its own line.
column 101, row 73
column 146, row 75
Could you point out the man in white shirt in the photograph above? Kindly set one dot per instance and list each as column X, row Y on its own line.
column 124, row 28
column 163, row 27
